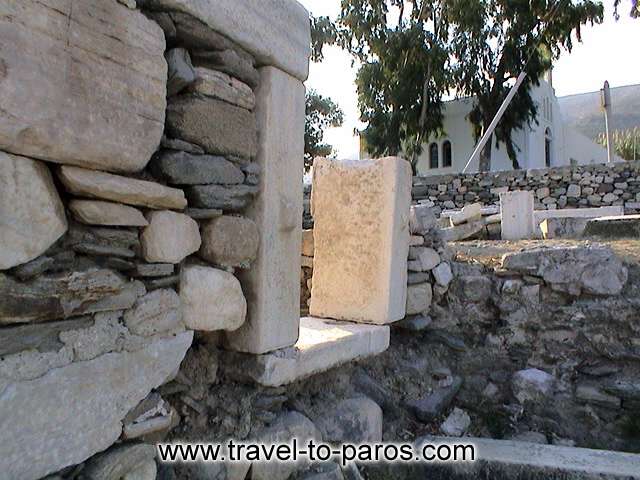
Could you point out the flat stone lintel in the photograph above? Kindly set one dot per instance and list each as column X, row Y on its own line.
column 323, row 345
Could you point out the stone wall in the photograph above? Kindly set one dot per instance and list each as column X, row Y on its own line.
column 555, row 188
column 134, row 146
column 537, row 344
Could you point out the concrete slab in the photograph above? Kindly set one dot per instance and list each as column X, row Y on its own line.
column 361, row 239
column 323, row 345
column 272, row 285
column 500, row 459
column 614, row 227
column 517, row 215
column 541, row 215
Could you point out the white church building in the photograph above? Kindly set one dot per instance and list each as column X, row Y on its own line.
column 547, row 143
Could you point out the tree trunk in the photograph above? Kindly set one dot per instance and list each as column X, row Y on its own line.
column 485, row 156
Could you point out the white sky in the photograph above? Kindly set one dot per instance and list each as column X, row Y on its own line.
column 607, row 52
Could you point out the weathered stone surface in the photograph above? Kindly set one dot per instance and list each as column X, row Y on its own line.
column 462, row 232
column 231, row 198
column 469, row 213
column 153, row 270
column 565, row 227
column 107, row 237
column 532, row 385
column 323, row 345
column 31, row 214
column 212, row 83
column 182, row 168
column 230, row 62
column 119, row 461
column 456, row 423
column 307, row 243
column 107, row 112
column 442, row 274
column 361, row 235
column 230, row 241
column 273, row 319
column 433, row 404
column 614, row 227
column 95, row 212
column 81, row 406
column 211, row 299
column 594, row 270
column 518, row 221
column 354, row 420
column 94, row 184
column 203, row 213
column 218, row 127
column 275, row 32
column 429, row 259
column 181, row 70
column 170, row 237
column 65, row 295
column 181, row 146
column 418, row 298
column 415, row 323
column 156, row 312
column 421, row 219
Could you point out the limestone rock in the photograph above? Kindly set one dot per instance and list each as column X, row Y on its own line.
column 469, row 213
column 429, row 259
column 230, row 62
column 94, row 184
column 65, row 295
column 434, row 403
column 532, row 385
column 181, row 146
column 442, row 274
column 215, row 84
column 83, row 403
column 230, row 241
column 31, row 214
column 419, row 298
column 156, row 312
column 594, row 270
column 456, row 423
column 230, row 198
column 181, row 71
column 192, row 32
column 119, row 461
column 182, row 168
column 211, row 299
column 107, row 112
column 275, row 32
column 170, row 237
column 361, row 238
column 414, row 323
column 421, row 219
column 354, row 420
column 95, row 212
column 203, row 213
column 218, row 127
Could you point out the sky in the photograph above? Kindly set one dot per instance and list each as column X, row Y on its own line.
column 608, row 52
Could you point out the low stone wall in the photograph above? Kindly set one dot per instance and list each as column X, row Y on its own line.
column 566, row 187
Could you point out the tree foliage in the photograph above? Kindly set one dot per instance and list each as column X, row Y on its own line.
column 321, row 113
column 413, row 53
column 635, row 9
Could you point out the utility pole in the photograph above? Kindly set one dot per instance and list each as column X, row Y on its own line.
column 605, row 104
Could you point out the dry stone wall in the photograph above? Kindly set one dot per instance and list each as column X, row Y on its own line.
column 555, row 188
column 134, row 138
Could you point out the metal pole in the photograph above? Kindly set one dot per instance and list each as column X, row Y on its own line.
column 605, row 99
column 496, row 119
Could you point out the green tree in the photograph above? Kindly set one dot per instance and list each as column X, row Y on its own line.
column 414, row 52
column 321, row 113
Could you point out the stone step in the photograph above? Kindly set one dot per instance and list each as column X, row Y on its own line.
column 614, row 227
column 323, row 344
column 501, row 459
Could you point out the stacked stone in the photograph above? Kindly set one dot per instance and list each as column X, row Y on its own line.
column 555, row 188
column 306, row 273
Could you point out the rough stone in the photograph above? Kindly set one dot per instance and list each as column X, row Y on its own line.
column 416, row 323
column 212, row 83
column 532, row 385
column 94, row 184
column 230, row 241
column 211, row 299
column 361, row 238
column 354, row 420
column 153, row 270
column 275, row 32
column 65, row 295
column 418, row 298
column 119, row 461
column 323, row 345
column 230, row 198
column 273, row 319
column 443, row 274
column 230, row 62
column 456, row 424
column 31, row 214
column 181, row 71
column 107, row 112
column 203, row 213
column 421, row 219
column 170, row 237
column 567, row 227
column 462, row 232
column 594, row 270
column 469, row 213
column 429, row 259
column 182, row 168
column 156, row 312
column 614, row 227
column 433, row 404
column 218, row 127
column 95, row 212
column 83, row 403
column 181, row 146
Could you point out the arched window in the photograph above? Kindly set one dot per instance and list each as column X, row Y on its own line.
column 547, row 147
column 434, row 159
column 447, row 155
